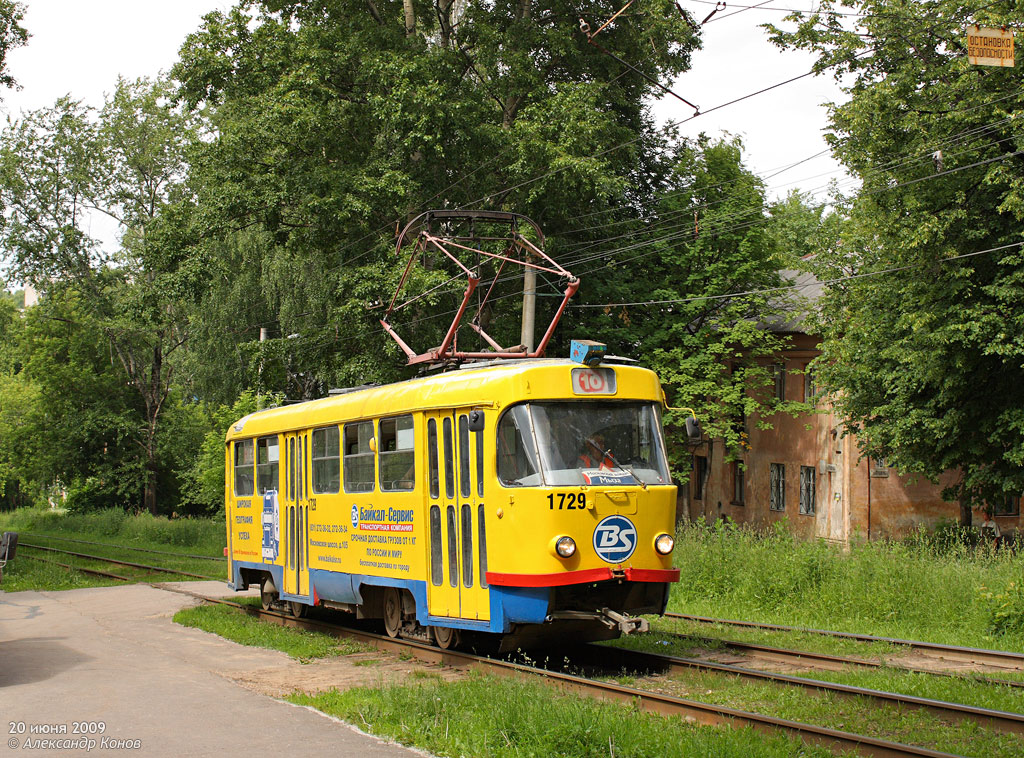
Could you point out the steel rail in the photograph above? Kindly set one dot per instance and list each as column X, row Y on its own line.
column 125, row 547
column 691, row 710
column 121, row 563
column 830, row 662
column 997, row 658
column 1006, row 721
column 94, row 572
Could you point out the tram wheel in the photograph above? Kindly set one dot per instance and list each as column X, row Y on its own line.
column 446, row 637
column 298, row 610
column 268, row 593
column 392, row 611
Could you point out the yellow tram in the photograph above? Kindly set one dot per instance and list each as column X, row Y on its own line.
column 518, row 499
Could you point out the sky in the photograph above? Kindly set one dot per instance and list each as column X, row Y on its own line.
column 80, row 47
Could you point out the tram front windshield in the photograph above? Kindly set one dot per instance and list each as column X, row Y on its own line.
column 564, row 444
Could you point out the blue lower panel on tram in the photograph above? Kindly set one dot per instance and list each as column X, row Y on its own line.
column 509, row 605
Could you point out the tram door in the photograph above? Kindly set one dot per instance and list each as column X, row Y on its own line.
column 455, row 517
column 296, row 514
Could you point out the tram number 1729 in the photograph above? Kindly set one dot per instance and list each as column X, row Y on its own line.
column 570, row 501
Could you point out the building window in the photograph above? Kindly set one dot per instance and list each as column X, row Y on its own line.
column 1010, row 506
column 358, row 463
column 809, row 389
column 777, row 491
column 326, row 460
column 267, row 464
column 738, row 483
column 780, row 381
column 397, row 454
column 700, row 476
column 808, row 475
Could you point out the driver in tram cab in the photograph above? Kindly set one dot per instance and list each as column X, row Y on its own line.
column 595, row 454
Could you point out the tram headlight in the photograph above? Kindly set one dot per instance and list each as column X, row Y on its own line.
column 664, row 543
column 565, row 547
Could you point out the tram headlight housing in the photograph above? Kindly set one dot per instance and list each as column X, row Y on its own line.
column 664, row 544
column 565, row 547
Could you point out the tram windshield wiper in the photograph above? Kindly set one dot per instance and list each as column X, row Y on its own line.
column 625, row 468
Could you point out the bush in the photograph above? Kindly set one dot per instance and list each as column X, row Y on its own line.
column 1005, row 609
column 203, row 481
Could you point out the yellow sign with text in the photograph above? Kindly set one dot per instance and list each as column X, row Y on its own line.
column 989, row 47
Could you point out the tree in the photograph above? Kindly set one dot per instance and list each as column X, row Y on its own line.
column 59, row 165
column 925, row 362
column 698, row 316
column 333, row 122
column 12, row 35
column 66, row 413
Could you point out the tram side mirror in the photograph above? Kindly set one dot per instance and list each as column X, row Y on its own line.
column 693, row 431
column 8, row 546
column 476, row 421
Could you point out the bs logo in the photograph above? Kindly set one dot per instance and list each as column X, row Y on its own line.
column 355, row 516
column 614, row 539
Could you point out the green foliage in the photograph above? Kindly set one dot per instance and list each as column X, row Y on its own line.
column 12, row 35
column 925, row 363
column 127, row 162
column 1005, row 609
column 711, row 348
column 333, row 123
column 203, row 481
column 917, row 589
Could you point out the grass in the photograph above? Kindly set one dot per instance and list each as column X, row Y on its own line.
column 116, row 530
column 492, row 717
column 247, row 630
column 916, row 589
column 23, row 574
column 202, row 536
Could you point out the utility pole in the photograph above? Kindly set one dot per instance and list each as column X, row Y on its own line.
column 259, row 383
column 529, row 306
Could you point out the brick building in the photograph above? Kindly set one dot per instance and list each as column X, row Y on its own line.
column 805, row 470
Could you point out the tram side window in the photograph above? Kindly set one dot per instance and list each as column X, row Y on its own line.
column 449, row 461
column 397, row 454
column 326, row 460
column 436, row 569
column 358, row 457
column 464, row 455
column 479, row 437
column 267, row 468
column 435, row 473
column 244, row 479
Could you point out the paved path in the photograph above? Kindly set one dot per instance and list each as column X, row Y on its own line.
column 112, row 654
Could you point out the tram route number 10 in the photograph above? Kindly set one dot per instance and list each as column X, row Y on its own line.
column 569, row 501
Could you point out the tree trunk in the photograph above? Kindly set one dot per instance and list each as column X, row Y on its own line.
column 965, row 512
column 149, row 494
column 410, row 18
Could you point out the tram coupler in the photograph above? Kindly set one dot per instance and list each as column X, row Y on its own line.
column 606, row 616
column 625, row 624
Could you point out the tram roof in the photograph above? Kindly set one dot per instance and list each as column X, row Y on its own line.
column 472, row 386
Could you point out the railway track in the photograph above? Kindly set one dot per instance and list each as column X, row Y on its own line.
column 219, row 558
column 809, row 659
column 664, row 664
column 116, row 562
column 691, row 710
column 1001, row 659
column 603, row 656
